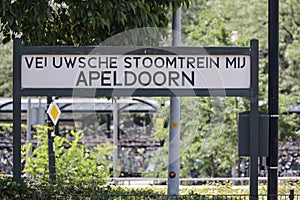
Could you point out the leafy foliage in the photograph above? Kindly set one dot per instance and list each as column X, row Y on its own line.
column 9, row 189
column 209, row 125
column 74, row 164
column 219, row 190
column 220, row 24
column 6, row 70
column 73, row 22
column 208, row 137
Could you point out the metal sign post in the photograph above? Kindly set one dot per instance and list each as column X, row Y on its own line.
column 17, row 168
column 174, row 127
column 272, row 160
column 254, row 125
column 51, row 153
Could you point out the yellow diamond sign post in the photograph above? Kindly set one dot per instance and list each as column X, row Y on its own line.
column 54, row 112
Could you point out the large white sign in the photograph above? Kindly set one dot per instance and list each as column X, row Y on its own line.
column 136, row 71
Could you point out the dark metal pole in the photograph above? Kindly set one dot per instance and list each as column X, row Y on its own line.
column 292, row 194
column 51, row 154
column 17, row 168
column 57, row 129
column 273, row 98
column 254, row 129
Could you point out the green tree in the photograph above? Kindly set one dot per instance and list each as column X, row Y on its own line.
column 247, row 20
column 73, row 22
column 206, row 145
column 208, row 136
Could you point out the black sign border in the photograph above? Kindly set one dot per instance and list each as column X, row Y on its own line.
column 20, row 50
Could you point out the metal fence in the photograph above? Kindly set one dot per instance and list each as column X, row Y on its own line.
column 105, row 195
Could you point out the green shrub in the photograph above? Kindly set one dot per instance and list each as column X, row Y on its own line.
column 74, row 164
column 91, row 190
column 9, row 189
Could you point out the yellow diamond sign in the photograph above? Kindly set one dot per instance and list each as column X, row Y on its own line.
column 54, row 112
